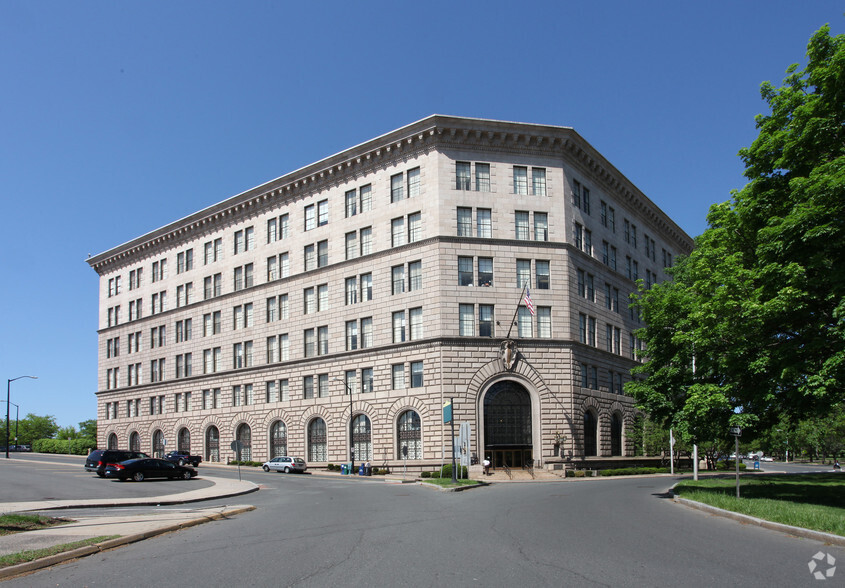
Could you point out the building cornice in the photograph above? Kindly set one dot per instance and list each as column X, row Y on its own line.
column 435, row 131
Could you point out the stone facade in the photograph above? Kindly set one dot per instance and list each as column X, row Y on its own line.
column 486, row 206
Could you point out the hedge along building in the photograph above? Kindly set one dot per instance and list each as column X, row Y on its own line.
column 336, row 308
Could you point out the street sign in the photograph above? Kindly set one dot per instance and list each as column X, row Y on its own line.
column 447, row 412
column 736, row 431
column 236, row 446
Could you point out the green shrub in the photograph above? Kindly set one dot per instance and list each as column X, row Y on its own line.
column 330, row 467
column 425, row 474
column 633, row 471
column 446, row 471
column 75, row 447
column 254, row 464
column 728, row 465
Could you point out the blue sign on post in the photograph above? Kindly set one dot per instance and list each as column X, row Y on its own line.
column 447, row 412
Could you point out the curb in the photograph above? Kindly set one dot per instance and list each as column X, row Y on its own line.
column 828, row 538
column 58, row 558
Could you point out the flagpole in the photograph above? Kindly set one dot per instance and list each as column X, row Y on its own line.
column 513, row 320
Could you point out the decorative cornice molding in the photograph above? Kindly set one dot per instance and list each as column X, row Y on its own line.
column 436, row 131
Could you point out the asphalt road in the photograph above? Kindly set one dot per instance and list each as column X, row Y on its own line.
column 318, row 531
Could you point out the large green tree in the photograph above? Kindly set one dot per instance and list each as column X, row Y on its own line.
column 753, row 324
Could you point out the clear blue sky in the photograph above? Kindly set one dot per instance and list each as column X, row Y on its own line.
column 119, row 117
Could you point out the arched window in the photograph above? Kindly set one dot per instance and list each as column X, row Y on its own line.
column 616, row 434
column 278, row 440
column 158, row 444
column 112, row 442
column 410, row 435
column 317, row 450
column 362, row 438
column 183, row 440
column 244, row 435
column 212, row 444
column 590, row 433
column 134, row 441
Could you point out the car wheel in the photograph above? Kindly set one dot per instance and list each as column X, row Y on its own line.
column 265, row 468
column 181, row 462
column 138, row 476
column 101, row 474
column 287, row 470
column 186, row 475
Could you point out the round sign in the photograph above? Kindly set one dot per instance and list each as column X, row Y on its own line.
column 236, row 445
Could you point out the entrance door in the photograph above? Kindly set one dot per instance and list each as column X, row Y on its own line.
column 507, row 425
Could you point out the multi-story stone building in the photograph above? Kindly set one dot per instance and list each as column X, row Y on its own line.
column 338, row 307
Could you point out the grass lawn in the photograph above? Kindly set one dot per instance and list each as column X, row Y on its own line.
column 17, row 523
column 26, row 556
column 810, row 501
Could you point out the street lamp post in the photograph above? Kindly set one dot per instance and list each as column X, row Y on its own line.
column 17, row 418
column 8, row 398
column 351, row 430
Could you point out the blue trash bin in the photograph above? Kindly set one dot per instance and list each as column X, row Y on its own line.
column 362, row 470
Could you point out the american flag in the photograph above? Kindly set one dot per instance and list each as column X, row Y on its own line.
column 529, row 304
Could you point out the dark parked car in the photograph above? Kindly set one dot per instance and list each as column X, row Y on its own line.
column 99, row 458
column 141, row 469
column 183, row 457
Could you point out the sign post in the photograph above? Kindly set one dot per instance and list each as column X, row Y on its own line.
column 236, row 447
column 448, row 417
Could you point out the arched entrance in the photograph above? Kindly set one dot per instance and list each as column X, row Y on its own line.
column 507, row 425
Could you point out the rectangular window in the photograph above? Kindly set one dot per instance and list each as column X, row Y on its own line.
column 415, row 320
column 579, row 236
column 464, row 222
column 271, row 391
column 462, row 175
column 366, row 241
column 322, row 340
column 541, row 273
column 465, row 271
column 366, row 287
column 416, row 374
column 322, row 253
column 323, row 385
column 524, row 325
column 351, row 245
column 397, row 188
column 482, row 177
column 399, row 326
column 538, row 181
column 366, row 332
column 351, row 289
column 310, row 217
column 397, row 232
column 413, row 182
column 485, row 320
column 484, row 223
column 521, row 228
column 350, row 379
column 366, row 380
column 414, row 227
column 351, row 203
column 485, row 271
column 366, row 200
column 397, row 274
column 541, row 226
column 351, row 335
column 544, row 321
column 310, row 257
column 308, row 387
column 272, row 349
column 398, row 376
column 414, row 276
column 183, row 330
column 520, row 180
column 322, row 213
column 272, row 268
column 523, row 272
column 466, row 320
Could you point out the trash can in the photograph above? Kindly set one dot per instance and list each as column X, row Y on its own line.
column 369, row 470
column 756, row 464
column 343, row 469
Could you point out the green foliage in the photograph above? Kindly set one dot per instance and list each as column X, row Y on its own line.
column 88, row 429
column 29, row 428
column 254, row 464
column 446, row 472
column 76, row 446
column 425, row 474
column 753, row 323
column 633, row 471
column 729, row 465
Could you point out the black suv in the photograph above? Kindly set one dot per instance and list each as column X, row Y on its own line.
column 99, row 458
